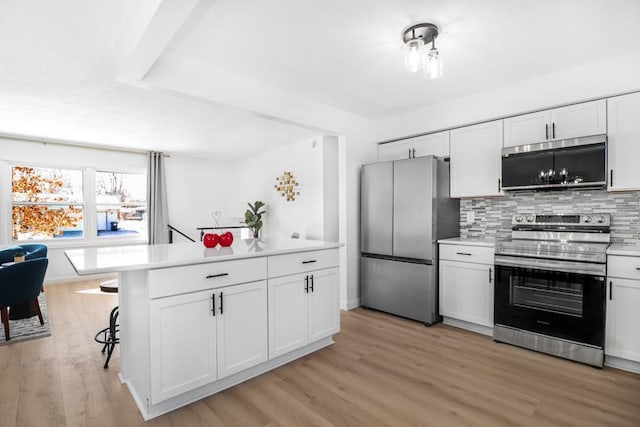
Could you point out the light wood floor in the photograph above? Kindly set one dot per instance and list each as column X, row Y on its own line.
column 381, row 371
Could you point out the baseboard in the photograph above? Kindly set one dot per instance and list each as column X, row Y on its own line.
column 473, row 327
column 350, row 305
column 624, row 364
column 59, row 280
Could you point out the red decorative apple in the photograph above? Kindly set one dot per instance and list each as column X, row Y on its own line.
column 226, row 239
column 210, row 240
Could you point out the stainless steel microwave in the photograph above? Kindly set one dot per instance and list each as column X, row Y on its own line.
column 556, row 165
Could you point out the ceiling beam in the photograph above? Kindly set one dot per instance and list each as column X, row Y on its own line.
column 149, row 29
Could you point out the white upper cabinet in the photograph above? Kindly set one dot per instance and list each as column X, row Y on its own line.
column 588, row 118
column 526, row 129
column 476, row 162
column 624, row 142
column 394, row 151
column 585, row 119
column 436, row 144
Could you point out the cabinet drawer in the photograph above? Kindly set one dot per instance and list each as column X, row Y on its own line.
column 190, row 278
column 475, row 254
column 282, row 265
column 626, row 267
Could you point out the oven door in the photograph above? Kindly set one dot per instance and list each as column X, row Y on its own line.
column 559, row 304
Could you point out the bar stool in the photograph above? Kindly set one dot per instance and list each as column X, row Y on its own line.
column 109, row 335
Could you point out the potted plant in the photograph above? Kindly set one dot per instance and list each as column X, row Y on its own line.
column 253, row 217
column 18, row 256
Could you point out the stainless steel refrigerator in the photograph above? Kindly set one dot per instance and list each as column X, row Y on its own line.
column 404, row 209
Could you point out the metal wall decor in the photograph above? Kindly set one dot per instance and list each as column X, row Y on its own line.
column 287, row 186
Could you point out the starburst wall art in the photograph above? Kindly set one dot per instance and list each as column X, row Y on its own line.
column 287, row 186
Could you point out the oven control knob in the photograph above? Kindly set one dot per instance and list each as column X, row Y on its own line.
column 587, row 219
column 530, row 218
column 599, row 219
column 519, row 218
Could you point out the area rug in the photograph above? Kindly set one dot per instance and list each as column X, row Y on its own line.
column 28, row 329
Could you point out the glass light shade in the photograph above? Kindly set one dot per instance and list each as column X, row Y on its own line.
column 414, row 58
column 433, row 66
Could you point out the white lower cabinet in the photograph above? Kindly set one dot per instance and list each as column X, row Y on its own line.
column 183, row 344
column 303, row 308
column 466, row 292
column 623, row 308
column 200, row 337
column 466, row 286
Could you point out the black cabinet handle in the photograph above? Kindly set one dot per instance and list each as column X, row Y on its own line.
column 463, row 253
column 211, row 276
column 306, row 284
column 312, row 283
column 213, row 304
column 499, row 182
column 611, row 178
column 409, row 152
column 610, row 290
column 553, row 130
column 311, row 261
column 489, row 274
column 221, row 302
column 546, row 131
column 414, row 153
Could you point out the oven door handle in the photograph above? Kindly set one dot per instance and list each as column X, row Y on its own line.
column 552, row 265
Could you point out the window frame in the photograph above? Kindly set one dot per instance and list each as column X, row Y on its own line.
column 96, row 204
column 89, row 206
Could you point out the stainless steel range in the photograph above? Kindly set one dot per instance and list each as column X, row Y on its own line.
column 550, row 285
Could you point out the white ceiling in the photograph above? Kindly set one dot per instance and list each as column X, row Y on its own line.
column 59, row 62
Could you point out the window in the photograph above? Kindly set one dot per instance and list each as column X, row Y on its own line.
column 46, row 203
column 121, row 204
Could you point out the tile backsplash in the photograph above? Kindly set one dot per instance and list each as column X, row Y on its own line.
column 492, row 216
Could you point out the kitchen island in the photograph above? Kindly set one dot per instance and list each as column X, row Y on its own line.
column 195, row 321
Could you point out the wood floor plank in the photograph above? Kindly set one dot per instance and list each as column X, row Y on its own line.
column 381, row 371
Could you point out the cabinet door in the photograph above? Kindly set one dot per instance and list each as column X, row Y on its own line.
column 324, row 307
column 476, row 154
column 588, row 118
column 435, row 144
column 393, row 151
column 466, row 292
column 624, row 142
column 527, row 129
column 623, row 318
column 288, row 314
column 242, row 327
column 182, row 343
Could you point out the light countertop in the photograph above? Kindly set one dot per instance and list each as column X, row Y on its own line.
column 143, row 257
column 627, row 249
column 489, row 243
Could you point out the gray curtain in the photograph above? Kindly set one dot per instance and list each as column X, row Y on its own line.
column 157, row 210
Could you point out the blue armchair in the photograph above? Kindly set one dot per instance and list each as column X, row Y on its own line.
column 21, row 283
column 31, row 251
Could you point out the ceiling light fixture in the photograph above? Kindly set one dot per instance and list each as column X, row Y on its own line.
column 417, row 55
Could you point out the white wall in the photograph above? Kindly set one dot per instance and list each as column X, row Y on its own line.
column 313, row 164
column 195, row 188
column 593, row 80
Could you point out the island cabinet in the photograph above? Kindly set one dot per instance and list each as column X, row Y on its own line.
column 303, row 306
column 199, row 337
column 196, row 321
